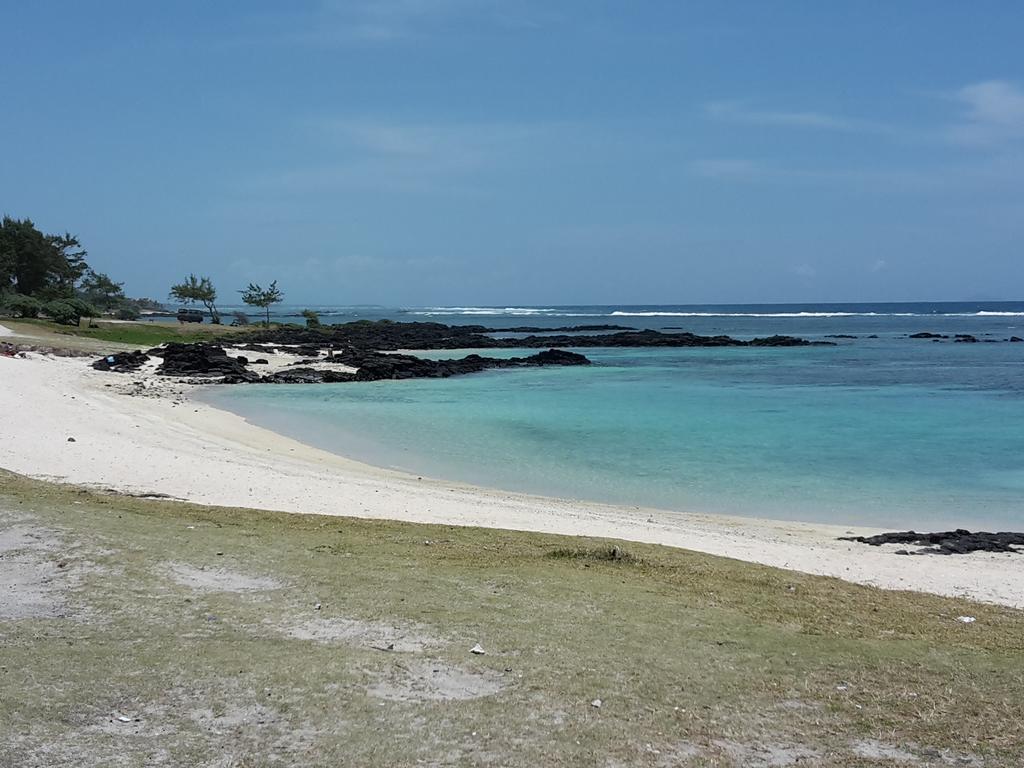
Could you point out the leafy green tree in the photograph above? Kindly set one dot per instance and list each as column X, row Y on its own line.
column 62, row 312
column 70, row 311
column 97, row 288
column 200, row 290
column 22, row 306
column 312, row 318
column 35, row 264
column 256, row 296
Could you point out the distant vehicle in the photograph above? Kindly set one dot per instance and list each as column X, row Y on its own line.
column 190, row 316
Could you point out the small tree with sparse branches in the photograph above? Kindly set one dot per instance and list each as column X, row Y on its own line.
column 256, row 296
column 198, row 289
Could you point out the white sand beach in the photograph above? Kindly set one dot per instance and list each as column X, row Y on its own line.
column 171, row 444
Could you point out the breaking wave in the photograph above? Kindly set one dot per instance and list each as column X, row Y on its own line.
column 610, row 312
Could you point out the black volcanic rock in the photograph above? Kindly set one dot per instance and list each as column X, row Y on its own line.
column 927, row 335
column 200, row 359
column 121, row 362
column 1016, row 339
column 306, row 376
column 965, row 338
column 203, row 360
column 572, row 328
column 386, row 335
column 958, row 542
column 377, row 366
column 787, row 341
column 241, row 377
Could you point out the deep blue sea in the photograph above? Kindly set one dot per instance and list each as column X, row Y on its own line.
column 886, row 431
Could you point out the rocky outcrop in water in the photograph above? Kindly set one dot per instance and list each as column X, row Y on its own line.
column 958, row 542
column 203, row 360
column 389, row 336
column 960, row 338
column 377, row 366
column 563, row 328
column 304, row 376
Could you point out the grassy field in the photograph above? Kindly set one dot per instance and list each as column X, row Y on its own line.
column 142, row 632
column 116, row 336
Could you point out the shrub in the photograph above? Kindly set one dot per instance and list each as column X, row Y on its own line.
column 128, row 313
column 69, row 311
column 240, row 318
column 312, row 318
column 22, row 306
column 83, row 307
column 62, row 312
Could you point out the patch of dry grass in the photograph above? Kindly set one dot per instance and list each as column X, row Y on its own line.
column 696, row 660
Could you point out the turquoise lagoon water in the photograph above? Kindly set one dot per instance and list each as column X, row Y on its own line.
column 887, row 431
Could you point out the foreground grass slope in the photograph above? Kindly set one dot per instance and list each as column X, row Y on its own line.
column 142, row 632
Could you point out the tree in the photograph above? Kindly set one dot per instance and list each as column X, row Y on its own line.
column 97, row 288
column 198, row 289
column 35, row 264
column 312, row 318
column 255, row 296
column 22, row 306
column 69, row 311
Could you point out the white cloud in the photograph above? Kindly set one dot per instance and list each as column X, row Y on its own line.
column 738, row 112
column 994, row 114
column 337, row 21
column 878, row 266
column 729, row 168
column 417, row 157
column 804, row 270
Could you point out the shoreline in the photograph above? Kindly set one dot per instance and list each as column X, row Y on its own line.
column 137, row 437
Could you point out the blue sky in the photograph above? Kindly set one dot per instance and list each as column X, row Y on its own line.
column 427, row 152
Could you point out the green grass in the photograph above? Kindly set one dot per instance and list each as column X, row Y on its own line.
column 120, row 335
column 698, row 660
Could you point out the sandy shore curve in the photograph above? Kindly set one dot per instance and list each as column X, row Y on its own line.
column 62, row 421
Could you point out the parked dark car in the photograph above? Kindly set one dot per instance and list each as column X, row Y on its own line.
column 190, row 316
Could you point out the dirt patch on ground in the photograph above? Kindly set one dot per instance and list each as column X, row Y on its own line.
column 876, row 750
column 380, row 635
column 767, row 754
column 681, row 753
column 203, row 579
column 33, row 582
column 428, row 681
column 910, row 753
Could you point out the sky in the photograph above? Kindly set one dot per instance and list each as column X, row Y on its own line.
column 525, row 152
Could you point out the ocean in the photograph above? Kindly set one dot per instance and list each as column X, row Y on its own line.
column 886, row 431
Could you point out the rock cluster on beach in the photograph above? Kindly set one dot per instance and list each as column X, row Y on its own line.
column 206, row 360
column 122, row 362
column 199, row 359
column 958, row 542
